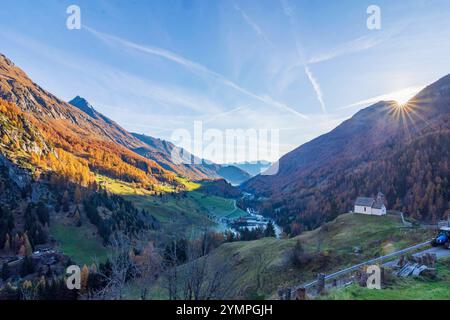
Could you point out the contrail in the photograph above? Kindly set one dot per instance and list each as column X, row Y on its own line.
column 316, row 87
column 192, row 66
column 252, row 23
column 289, row 12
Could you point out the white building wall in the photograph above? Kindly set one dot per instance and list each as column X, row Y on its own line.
column 363, row 209
column 376, row 212
column 370, row 210
column 379, row 212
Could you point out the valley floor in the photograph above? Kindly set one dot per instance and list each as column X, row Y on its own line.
column 253, row 269
column 187, row 216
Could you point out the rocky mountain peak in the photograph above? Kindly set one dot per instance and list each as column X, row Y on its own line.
column 82, row 104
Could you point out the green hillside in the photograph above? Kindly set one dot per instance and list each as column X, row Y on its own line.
column 258, row 268
column 187, row 213
column 82, row 244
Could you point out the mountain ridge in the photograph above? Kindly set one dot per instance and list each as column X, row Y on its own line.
column 160, row 150
column 73, row 132
column 323, row 177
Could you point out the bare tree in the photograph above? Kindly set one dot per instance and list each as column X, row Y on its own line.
column 170, row 264
column 27, row 291
column 199, row 278
column 122, row 268
column 148, row 267
column 196, row 270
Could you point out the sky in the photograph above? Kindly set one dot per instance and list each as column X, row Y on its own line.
column 294, row 68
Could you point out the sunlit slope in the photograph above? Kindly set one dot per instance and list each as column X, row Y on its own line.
column 400, row 150
column 258, row 268
column 181, row 213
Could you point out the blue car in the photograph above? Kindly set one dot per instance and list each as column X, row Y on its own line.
column 443, row 239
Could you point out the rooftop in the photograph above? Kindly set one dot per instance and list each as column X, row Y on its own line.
column 364, row 201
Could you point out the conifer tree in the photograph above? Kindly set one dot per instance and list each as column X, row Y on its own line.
column 22, row 251
column 84, row 279
column 77, row 195
column 7, row 246
column 5, row 273
column 27, row 245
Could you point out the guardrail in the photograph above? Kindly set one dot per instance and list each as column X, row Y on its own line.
column 443, row 223
column 369, row 262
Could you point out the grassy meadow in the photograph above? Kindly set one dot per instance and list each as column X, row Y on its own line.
column 258, row 268
column 401, row 289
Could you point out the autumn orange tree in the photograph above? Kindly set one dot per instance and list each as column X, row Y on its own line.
column 74, row 154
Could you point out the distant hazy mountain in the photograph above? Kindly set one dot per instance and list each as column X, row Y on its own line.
column 233, row 174
column 253, row 168
column 403, row 151
column 161, row 151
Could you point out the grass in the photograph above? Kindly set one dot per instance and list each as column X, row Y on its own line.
column 402, row 289
column 120, row 187
column 217, row 206
column 258, row 268
column 189, row 185
column 369, row 235
column 128, row 188
column 82, row 244
column 177, row 215
column 188, row 216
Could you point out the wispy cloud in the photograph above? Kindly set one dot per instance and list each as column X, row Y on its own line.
column 400, row 96
column 106, row 77
column 192, row 66
column 252, row 23
column 289, row 12
column 316, row 87
column 357, row 45
column 362, row 43
column 287, row 9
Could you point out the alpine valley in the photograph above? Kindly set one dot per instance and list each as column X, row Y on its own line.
column 78, row 189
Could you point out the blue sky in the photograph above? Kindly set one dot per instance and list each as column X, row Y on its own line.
column 298, row 66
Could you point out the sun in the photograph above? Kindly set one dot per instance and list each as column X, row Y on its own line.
column 402, row 102
column 403, row 96
column 401, row 105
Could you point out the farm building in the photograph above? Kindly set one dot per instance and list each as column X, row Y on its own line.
column 371, row 206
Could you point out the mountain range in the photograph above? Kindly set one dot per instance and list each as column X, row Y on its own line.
column 253, row 167
column 79, row 117
column 160, row 150
column 400, row 150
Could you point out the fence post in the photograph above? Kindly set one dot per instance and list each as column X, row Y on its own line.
column 320, row 283
column 401, row 261
column 283, row 294
column 382, row 277
column 300, row 294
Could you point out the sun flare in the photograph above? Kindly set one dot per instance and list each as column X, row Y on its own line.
column 403, row 96
column 401, row 105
